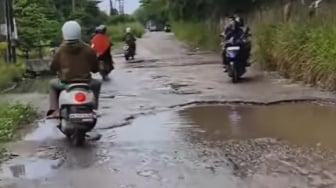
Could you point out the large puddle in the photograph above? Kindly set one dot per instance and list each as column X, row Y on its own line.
column 301, row 124
column 194, row 136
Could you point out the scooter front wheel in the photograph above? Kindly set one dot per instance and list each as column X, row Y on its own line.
column 233, row 72
column 235, row 77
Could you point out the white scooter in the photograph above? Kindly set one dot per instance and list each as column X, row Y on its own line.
column 77, row 115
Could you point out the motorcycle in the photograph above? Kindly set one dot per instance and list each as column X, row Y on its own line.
column 128, row 52
column 77, row 116
column 236, row 56
column 236, row 67
column 104, row 70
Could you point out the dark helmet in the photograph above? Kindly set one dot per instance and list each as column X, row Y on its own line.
column 101, row 29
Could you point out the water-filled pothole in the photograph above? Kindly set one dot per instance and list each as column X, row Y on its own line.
column 302, row 124
column 32, row 169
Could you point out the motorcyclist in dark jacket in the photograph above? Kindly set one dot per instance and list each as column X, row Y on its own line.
column 238, row 19
column 234, row 35
column 130, row 39
column 241, row 23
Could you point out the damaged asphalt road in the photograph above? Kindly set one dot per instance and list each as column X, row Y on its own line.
column 161, row 128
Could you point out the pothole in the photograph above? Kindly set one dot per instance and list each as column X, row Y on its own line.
column 302, row 123
column 30, row 169
column 245, row 136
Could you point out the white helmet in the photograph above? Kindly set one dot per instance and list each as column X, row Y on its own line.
column 128, row 30
column 71, row 30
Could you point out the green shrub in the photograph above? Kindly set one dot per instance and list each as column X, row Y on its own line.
column 12, row 116
column 10, row 73
column 123, row 18
column 197, row 34
column 117, row 31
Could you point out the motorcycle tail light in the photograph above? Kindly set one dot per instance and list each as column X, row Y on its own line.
column 80, row 97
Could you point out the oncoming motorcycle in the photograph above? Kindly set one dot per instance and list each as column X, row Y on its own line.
column 235, row 54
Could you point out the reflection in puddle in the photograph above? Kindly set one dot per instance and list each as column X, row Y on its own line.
column 30, row 169
column 303, row 124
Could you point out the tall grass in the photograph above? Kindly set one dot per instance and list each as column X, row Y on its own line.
column 198, row 34
column 302, row 49
column 117, row 31
column 10, row 73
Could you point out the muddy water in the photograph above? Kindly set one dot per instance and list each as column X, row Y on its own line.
column 191, row 143
column 298, row 123
column 301, row 124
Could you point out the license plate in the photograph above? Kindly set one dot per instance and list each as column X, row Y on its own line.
column 232, row 54
column 81, row 116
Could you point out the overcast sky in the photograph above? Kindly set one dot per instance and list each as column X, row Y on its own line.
column 130, row 5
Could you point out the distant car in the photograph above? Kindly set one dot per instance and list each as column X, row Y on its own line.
column 152, row 28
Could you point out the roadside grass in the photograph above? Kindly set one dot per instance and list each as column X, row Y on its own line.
column 116, row 31
column 302, row 49
column 197, row 34
column 37, row 85
column 10, row 73
column 12, row 118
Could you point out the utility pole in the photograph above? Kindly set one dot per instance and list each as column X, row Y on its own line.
column 73, row 5
column 7, row 28
column 111, row 7
column 2, row 26
column 121, row 4
column 7, row 5
column 12, row 29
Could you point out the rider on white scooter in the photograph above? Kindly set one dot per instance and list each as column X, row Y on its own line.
column 73, row 62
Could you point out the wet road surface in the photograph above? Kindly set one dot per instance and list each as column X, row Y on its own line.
column 156, row 133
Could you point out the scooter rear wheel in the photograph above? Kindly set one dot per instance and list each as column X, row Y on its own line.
column 127, row 57
column 104, row 76
column 78, row 138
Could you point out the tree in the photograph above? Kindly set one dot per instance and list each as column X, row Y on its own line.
column 89, row 17
column 39, row 22
column 195, row 10
column 34, row 28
